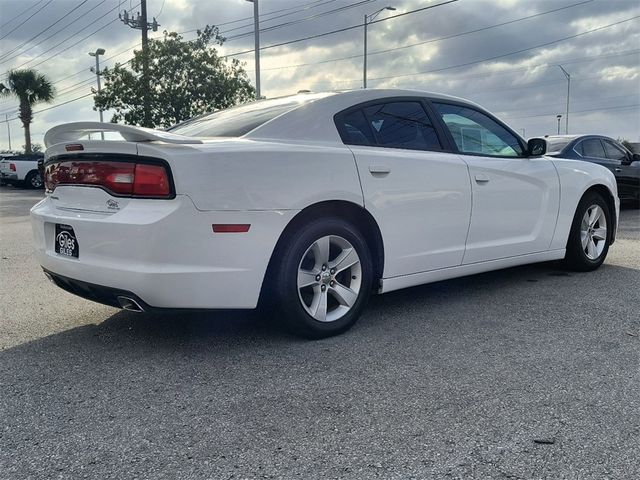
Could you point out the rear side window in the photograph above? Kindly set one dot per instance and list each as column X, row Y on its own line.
column 402, row 125
column 592, row 147
column 476, row 133
column 356, row 129
column 578, row 148
column 240, row 120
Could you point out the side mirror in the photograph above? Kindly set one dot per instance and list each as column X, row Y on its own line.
column 536, row 147
column 634, row 157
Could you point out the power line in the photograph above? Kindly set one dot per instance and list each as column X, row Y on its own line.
column 70, row 37
column 20, row 14
column 619, row 107
column 28, row 18
column 36, row 36
column 378, row 52
column 340, row 29
column 297, row 9
column 590, row 100
column 294, row 22
column 56, row 32
column 495, row 57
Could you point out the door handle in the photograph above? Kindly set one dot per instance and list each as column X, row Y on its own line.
column 380, row 169
column 481, row 178
column 617, row 170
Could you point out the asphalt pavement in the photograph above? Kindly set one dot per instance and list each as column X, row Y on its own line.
column 525, row 373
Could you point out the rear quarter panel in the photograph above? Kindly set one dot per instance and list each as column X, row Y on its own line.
column 240, row 174
column 576, row 177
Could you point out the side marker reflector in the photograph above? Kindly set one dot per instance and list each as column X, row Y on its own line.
column 231, row 227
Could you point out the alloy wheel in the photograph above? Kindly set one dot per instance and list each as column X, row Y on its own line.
column 329, row 278
column 593, row 232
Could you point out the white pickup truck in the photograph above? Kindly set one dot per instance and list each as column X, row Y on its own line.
column 21, row 170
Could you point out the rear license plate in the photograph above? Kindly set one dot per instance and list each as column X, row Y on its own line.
column 66, row 243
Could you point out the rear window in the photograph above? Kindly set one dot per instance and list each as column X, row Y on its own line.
column 240, row 120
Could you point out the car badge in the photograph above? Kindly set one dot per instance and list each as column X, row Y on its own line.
column 113, row 205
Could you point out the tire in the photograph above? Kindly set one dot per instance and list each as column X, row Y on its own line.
column 308, row 257
column 590, row 234
column 33, row 180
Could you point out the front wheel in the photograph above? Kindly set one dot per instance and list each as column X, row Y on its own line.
column 590, row 234
column 324, row 278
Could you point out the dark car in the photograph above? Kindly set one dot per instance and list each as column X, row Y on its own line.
column 606, row 152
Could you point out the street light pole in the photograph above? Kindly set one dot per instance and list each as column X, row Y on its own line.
column 559, row 116
column 367, row 20
column 256, row 34
column 97, row 53
column 364, row 70
column 566, row 74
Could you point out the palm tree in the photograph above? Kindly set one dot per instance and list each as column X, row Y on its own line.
column 30, row 87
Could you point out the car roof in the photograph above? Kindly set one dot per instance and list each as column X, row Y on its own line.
column 313, row 119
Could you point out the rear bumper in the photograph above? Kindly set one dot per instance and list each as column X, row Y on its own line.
column 113, row 297
column 8, row 177
column 163, row 254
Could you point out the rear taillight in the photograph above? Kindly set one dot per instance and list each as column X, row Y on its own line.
column 12, row 167
column 119, row 178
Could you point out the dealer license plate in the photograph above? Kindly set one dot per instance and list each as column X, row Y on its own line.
column 66, row 243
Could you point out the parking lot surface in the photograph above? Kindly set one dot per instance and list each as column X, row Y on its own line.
column 531, row 372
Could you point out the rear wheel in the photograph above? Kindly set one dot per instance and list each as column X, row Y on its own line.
column 324, row 278
column 33, row 180
column 590, row 234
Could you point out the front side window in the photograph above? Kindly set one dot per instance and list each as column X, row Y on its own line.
column 613, row 151
column 476, row 133
column 592, row 147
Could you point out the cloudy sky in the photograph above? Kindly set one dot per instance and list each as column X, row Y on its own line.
column 502, row 54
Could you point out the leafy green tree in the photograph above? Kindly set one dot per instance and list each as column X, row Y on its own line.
column 35, row 148
column 30, row 87
column 186, row 78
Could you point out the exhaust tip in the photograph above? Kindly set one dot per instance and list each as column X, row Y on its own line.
column 130, row 304
column 49, row 277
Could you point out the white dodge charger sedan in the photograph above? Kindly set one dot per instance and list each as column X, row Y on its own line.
column 312, row 201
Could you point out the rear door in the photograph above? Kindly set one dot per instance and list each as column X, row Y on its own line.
column 419, row 193
column 515, row 198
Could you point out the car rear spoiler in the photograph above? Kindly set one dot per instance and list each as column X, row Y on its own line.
column 70, row 132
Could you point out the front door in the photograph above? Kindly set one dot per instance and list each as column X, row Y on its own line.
column 515, row 197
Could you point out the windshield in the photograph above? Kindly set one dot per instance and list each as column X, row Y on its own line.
column 237, row 121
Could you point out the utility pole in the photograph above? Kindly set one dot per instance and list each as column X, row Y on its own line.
column 140, row 22
column 256, row 35
column 97, row 53
column 6, row 119
column 367, row 20
column 566, row 118
column 145, row 63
